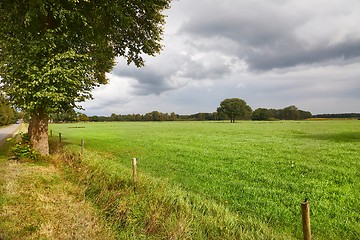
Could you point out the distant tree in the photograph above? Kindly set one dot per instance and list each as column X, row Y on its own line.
column 173, row 116
column 114, row 117
column 164, row 116
column 82, row 117
column 248, row 113
column 156, row 116
column 287, row 113
column 94, row 118
column 137, row 117
column 234, row 108
column 305, row 114
column 261, row 114
column 148, row 117
column 291, row 113
column 215, row 116
column 53, row 53
column 201, row 117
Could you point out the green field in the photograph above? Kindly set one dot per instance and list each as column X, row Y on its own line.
column 258, row 170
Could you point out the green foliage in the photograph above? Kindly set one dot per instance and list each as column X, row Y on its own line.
column 68, row 116
column 82, row 117
column 22, row 149
column 53, row 53
column 261, row 114
column 7, row 113
column 258, row 170
column 155, row 116
column 235, row 108
column 287, row 113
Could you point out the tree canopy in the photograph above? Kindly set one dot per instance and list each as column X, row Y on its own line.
column 235, row 108
column 53, row 53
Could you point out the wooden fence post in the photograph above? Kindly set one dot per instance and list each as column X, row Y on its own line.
column 305, row 212
column 134, row 173
column 60, row 137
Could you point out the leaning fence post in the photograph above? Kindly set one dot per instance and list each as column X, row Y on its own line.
column 134, row 173
column 305, row 212
column 60, row 137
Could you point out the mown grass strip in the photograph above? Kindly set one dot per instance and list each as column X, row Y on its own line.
column 37, row 203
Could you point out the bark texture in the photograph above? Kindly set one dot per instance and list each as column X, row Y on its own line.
column 38, row 130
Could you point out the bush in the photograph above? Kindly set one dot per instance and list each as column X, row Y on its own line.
column 23, row 150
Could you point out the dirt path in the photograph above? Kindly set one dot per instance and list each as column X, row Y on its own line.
column 37, row 203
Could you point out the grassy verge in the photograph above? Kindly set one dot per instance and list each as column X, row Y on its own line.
column 37, row 203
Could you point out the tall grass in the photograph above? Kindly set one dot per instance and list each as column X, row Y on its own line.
column 158, row 209
column 255, row 173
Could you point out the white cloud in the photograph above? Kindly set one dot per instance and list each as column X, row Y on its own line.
column 272, row 54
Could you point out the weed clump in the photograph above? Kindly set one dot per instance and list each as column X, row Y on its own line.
column 22, row 149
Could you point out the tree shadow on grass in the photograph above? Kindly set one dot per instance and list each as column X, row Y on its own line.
column 336, row 137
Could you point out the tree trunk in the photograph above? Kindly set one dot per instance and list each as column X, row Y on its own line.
column 38, row 131
column 30, row 126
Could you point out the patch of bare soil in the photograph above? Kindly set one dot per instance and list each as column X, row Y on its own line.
column 37, row 203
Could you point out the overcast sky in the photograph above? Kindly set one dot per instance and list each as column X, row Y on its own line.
column 270, row 53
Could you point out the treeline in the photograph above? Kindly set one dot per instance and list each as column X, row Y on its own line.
column 288, row 113
column 260, row 114
column 8, row 115
column 69, row 116
column 338, row 115
column 156, row 116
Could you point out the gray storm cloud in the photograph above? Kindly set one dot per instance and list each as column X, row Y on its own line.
column 270, row 39
column 271, row 53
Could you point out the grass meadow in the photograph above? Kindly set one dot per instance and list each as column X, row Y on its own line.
column 256, row 172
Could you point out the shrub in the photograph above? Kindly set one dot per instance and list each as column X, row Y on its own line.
column 23, row 150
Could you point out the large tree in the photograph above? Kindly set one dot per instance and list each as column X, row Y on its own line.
column 53, row 53
column 235, row 108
